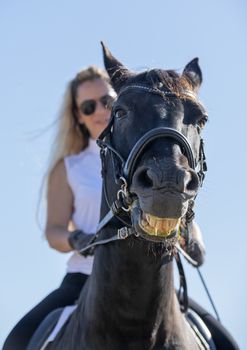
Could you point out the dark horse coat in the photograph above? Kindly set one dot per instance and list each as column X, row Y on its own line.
column 150, row 151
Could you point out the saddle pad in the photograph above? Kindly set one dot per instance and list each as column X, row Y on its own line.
column 201, row 331
column 67, row 311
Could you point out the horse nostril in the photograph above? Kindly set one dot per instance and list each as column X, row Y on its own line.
column 193, row 182
column 144, row 178
column 187, row 180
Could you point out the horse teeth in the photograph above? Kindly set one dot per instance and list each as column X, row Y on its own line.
column 148, row 218
column 159, row 226
column 144, row 223
column 152, row 221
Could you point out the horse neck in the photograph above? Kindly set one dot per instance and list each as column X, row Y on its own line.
column 128, row 282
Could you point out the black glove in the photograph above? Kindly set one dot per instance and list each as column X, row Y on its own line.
column 79, row 240
column 193, row 246
column 196, row 251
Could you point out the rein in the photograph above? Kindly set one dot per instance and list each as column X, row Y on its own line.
column 123, row 176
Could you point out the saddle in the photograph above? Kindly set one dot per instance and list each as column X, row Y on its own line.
column 50, row 327
column 211, row 334
column 222, row 339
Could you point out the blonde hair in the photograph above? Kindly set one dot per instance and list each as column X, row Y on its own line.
column 72, row 137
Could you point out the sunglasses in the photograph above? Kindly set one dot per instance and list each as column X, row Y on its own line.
column 88, row 107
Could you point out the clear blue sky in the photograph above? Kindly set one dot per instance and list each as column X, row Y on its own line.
column 43, row 44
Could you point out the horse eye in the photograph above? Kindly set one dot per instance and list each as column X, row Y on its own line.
column 202, row 121
column 120, row 113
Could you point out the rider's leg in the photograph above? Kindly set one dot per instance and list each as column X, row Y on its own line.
column 66, row 294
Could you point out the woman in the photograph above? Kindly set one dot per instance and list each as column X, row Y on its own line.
column 74, row 191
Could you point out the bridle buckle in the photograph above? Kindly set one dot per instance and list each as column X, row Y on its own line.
column 123, row 196
column 123, row 233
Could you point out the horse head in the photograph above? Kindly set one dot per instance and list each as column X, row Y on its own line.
column 156, row 134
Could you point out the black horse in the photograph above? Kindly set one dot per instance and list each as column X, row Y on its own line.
column 152, row 167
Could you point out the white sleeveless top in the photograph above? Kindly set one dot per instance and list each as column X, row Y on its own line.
column 84, row 178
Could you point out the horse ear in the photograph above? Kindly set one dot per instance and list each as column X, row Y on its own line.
column 193, row 73
column 117, row 71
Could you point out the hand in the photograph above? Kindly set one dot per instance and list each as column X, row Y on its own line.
column 196, row 251
column 79, row 240
column 192, row 242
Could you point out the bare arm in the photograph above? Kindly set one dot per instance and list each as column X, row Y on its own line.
column 59, row 209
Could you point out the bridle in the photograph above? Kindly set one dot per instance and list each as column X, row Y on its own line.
column 123, row 177
column 124, row 169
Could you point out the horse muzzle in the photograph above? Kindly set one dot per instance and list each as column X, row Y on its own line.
column 153, row 228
